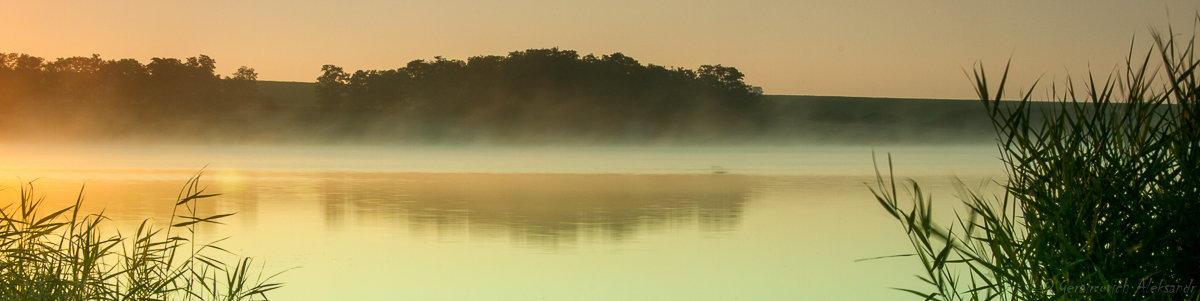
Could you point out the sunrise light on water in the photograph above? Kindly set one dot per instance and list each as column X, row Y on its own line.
column 599, row 150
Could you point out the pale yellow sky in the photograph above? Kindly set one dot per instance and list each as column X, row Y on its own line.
column 854, row 48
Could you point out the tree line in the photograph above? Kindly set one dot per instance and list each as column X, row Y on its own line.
column 123, row 95
column 530, row 95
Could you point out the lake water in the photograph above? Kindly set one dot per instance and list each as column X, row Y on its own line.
column 522, row 223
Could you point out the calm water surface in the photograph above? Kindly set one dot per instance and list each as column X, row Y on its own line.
column 778, row 223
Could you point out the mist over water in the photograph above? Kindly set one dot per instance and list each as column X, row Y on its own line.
column 523, row 222
column 794, row 159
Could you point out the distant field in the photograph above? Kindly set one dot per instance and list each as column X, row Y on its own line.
column 897, row 120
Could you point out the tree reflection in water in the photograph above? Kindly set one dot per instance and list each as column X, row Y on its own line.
column 538, row 210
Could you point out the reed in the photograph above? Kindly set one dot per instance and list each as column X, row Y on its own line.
column 1102, row 195
column 65, row 255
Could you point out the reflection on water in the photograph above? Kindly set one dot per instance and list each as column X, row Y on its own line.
column 534, row 210
column 539, row 209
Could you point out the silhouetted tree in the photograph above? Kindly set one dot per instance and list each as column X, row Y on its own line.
column 21, row 75
column 126, row 83
column 332, row 86
column 727, row 78
column 244, row 73
column 242, row 89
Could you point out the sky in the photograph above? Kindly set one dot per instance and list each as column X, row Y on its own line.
column 877, row 48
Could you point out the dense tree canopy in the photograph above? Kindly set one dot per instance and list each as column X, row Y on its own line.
column 548, row 93
column 123, row 95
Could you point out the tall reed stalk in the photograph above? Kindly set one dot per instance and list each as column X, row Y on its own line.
column 65, row 255
column 1102, row 200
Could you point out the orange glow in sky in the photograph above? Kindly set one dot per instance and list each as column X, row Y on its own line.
column 854, row 48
